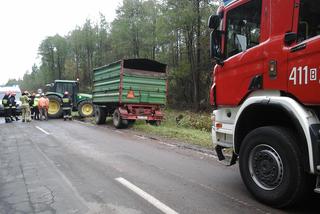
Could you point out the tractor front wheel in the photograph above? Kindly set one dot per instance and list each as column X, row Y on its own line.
column 86, row 109
column 55, row 110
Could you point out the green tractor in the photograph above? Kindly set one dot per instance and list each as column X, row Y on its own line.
column 81, row 102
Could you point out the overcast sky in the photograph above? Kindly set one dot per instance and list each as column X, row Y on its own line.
column 25, row 23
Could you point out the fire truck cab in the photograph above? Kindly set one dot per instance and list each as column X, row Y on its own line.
column 266, row 95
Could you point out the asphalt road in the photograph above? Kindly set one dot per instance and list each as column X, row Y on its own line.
column 71, row 167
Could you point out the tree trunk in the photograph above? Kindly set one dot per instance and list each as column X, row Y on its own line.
column 196, row 72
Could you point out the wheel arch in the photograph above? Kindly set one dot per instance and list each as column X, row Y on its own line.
column 54, row 94
column 278, row 111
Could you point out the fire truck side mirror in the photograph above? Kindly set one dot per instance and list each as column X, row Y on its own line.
column 290, row 38
column 215, row 46
column 214, row 22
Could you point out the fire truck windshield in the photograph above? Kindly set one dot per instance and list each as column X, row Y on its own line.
column 309, row 21
column 243, row 28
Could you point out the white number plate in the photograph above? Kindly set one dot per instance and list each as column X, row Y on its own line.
column 142, row 117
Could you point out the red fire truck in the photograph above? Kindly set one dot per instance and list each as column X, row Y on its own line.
column 266, row 95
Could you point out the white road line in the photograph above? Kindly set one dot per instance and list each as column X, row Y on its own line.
column 155, row 202
column 167, row 144
column 141, row 137
column 47, row 133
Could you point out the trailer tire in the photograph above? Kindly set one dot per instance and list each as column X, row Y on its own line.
column 100, row 115
column 271, row 166
column 117, row 120
column 55, row 109
column 131, row 123
column 155, row 122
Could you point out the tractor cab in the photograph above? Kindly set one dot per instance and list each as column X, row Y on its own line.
column 60, row 86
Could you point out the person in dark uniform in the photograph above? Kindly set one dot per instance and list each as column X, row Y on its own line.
column 66, row 106
column 13, row 106
column 31, row 104
column 5, row 103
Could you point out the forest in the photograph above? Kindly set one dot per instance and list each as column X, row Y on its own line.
column 173, row 32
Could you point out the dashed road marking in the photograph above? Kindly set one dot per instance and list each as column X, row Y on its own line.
column 152, row 200
column 47, row 133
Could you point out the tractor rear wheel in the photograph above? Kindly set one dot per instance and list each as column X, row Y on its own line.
column 85, row 109
column 55, row 109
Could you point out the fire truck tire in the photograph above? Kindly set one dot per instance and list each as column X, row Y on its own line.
column 271, row 166
column 100, row 115
column 118, row 122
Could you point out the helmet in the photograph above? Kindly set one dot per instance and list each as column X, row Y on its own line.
column 42, row 94
column 66, row 93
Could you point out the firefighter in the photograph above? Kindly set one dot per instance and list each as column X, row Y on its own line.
column 31, row 104
column 66, row 106
column 35, row 107
column 26, row 117
column 5, row 103
column 43, row 106
column 13, row 106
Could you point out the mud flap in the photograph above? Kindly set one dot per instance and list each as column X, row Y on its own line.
column 226, row 161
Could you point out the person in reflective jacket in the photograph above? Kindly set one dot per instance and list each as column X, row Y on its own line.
column 31, row 103
column 43, row 105
column 35, row 107
column 5, row 103
column 13, row 106
column 66, row 106
column 26, row 116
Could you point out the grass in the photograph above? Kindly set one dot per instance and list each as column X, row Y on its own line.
column 189, row 127
column 183, row 126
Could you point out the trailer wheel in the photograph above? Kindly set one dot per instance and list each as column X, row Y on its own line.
column 271, row 166
column 55, row 109
column 117, row 121
column 100, row 115
column 85, row 108
column 131, row 123
column 155, row 122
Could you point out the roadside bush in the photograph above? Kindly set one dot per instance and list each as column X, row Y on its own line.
column 186, row 119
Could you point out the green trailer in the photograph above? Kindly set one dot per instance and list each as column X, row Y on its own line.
column 130, row 90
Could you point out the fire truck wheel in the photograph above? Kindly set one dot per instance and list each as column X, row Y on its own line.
column 271, row 166
column 100, row 115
